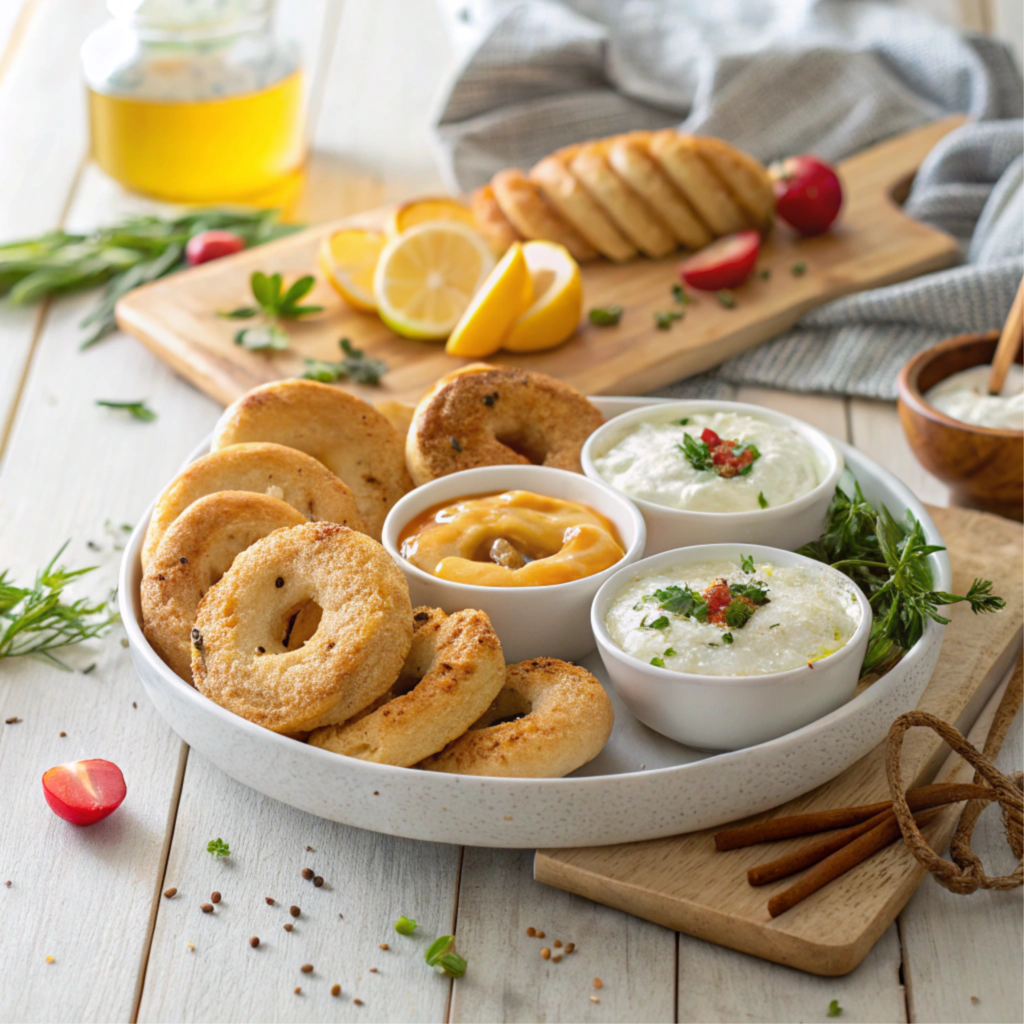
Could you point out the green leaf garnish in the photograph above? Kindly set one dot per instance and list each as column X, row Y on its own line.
column 755, row 455
column 756, row 592
column 775, row 625
column 747, row 563
column 670, row 652
column 658, row 662
column 834, row 1009
column 798, row 269
column 683, row 422
column 764, row 274
column 139, row 410
column 697, row 452
column 354, row 365
column 605, row 316
column 218, row 848
column 663, row 320
column 679, row 293
column 762, row 500
column 726, row 298
column 727, row 638
column 738, row 613
column 442, row 957
column 405, row 925
column 681, row 601
column 262, row 337
column 36, row 620
column 659, row 623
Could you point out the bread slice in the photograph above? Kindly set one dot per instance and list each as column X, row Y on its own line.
column 744, row 177
column 496, row 228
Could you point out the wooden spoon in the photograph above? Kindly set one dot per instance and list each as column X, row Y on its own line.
column 1009, row 342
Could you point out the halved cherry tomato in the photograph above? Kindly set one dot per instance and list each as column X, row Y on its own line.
column 211, row 245
column 808, row 193
column 84, row 792
column 726, row 263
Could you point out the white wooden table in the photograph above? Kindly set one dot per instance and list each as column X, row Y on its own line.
column 90, row 899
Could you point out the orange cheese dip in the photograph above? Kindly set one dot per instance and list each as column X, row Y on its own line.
column 513, row 539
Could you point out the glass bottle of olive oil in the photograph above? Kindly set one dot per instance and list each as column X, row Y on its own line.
column 194, row 101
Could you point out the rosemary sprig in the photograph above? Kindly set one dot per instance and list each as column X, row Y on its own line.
column 36, row 619
column 122, row 256
column 888, row 560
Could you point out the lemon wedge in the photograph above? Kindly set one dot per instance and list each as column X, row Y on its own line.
column 348, row 260
column 502, row 298
column 420, row 211
column 427, row 276
column 557, row 299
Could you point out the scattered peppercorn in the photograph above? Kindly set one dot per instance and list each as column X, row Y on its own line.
column 570, row 947
column 335, row 990
column 545, row 953
column 318, row 882
column 307, row 873
column 215, row 897
column 294, row 911
column 269, row 900
column 254, row 942
column 288, row 927
column 557, row 943
column 206, row 908
column 306, row 968
column 531, row 932
column 170, row 893
column 279, row 582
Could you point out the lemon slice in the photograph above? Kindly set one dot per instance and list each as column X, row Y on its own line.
column 557, row 299
column 420, row 211
column 501, row 299
column 348, row 260
column 427, row 276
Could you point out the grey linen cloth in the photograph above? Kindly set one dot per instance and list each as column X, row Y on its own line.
column 774, row 77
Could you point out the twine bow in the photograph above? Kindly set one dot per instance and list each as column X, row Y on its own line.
column 965, row 874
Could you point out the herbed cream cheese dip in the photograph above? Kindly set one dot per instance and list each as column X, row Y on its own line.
column 723, row 618
column 712, row 462
column 964, row 396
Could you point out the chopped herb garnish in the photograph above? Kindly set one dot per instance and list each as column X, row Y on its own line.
column 663, row 320
column 755, row 455
column 697, row 453
column 834, row 1009
column 659, row 623
column 765, row 274
column 762, row 500
column 262, row 338
column 605, row 316
column 658, row 662
column 738, row 613
column 727, row 638
column 681, row 296
column 726, row 298
column 682, row 422
column 755, row 592
column 798, row 269
column 888, row 560
column 405, row 925
column 218, row 848
column 354, row 366
column 681, row 601
column 274, row 301
column 442, row 957
column 670, row 652
column 747, row 562
column 775, row 625
column 139, row 410
column 35, row 620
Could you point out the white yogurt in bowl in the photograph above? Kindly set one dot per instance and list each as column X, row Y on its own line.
column 697, row 669
column 964, row 396
column 707, row 471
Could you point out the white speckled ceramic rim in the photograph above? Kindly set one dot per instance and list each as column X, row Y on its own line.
column 489, row 479
column 700, row 552
column 132, row 616
column 614, row 430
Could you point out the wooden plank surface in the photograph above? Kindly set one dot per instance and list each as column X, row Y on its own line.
column 874, row 244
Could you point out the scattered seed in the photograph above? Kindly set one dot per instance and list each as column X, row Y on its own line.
column 598, row 983
column 254, row 942
column 306, row 968
column 170, row 893
column 298, row 991
column 307, row 873
column 8, row 883
column 49, row 959
column 124, row 641
column 545, row 953
column 383, row 945
column 557, row 958
column 340, row 914
column 294, row 911
column 594, row 999
column 357, row 1002
column 540, row 935
column 531, row 932
column 191, row 946
column 373, row 970
column 269, row 900
column 317, row 882
column 557, row 943
column 455, row 444
column 974, row 999
column 63, row 734
column 288, row 927
column 309, row 849
column 206, row 908
column 215, row 897
column 335, row 990
column 134, row 705
column 12, row 720
column 376, row 792
column 570, row 947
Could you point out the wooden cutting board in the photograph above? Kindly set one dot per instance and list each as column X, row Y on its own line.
column 682, row 882
column 873, row 244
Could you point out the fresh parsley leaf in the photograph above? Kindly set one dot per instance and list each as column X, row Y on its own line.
column 263, row 337
column 679, row 293
column 726, row 298
column 218, row 848
column 798, row 269
column 663, row 320
column 765, row 274
column 834, row 1009
column 738, row 613
column 658, row 662
column 354, row 365
column 659, row 623
column 762, row 500
column 727, row 638
column 442, row 957
column 681, row 601
column 405, row 925
column 139, row 410
column 670, row 652
column 747, row 562
column 605, row 316
column 697, row 452
column 682, row 422
column 756, row 592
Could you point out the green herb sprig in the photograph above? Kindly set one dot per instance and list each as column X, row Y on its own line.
column 36, row 619
column 888, row 560
column 834, row 1009
column 681, row 601
column 442, row 957
column 218, row 848
column 697, row 453
column 354, row 365
column 132, row 252
column 663, row 320
column 605, row 316
column 274, row 303
column 138, row 410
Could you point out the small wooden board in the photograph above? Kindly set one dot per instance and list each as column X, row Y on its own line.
column 683, row 883
column 873, row 244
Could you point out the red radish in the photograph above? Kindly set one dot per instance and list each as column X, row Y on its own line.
column 84, row 792
column 808, row 193
column 726, row 263
column 211, row 245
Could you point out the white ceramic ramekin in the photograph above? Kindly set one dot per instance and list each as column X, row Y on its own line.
column 785, row 526
column 531, row 622
column 727, row 712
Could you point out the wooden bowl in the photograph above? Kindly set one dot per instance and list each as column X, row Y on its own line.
column 984, row 466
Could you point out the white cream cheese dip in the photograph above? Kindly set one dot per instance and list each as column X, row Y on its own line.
column 965, row 397
column 655, row 462
column 682, row 620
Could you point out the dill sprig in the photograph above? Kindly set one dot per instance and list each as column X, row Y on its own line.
column 888, row 560
column 36, row 619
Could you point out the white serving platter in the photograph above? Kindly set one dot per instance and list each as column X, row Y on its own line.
column 642, row 786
